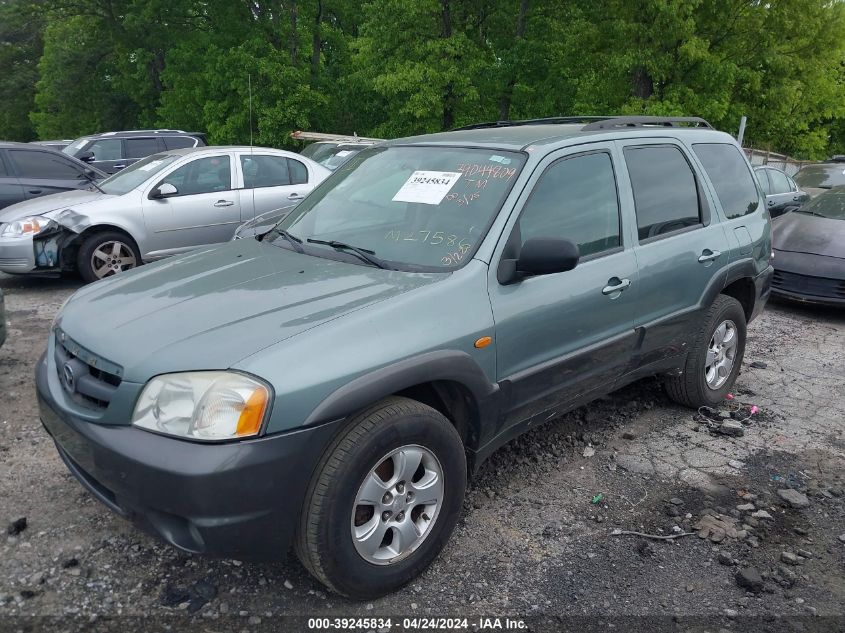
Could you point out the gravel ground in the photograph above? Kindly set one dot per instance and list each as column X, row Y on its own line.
column 537, row 535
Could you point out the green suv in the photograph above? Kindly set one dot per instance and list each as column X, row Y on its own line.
column 331, row 383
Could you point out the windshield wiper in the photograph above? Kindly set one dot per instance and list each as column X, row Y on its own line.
column 364, row 253
column 295, row 241
column 818, row 215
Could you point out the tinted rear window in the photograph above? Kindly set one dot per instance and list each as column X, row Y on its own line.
column 729, row 173
column 665, row 192
column 140, row 147
column 46, row 165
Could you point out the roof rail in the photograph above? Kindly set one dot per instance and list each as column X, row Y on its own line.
column 157, row 131
column 554, row 120
column 609, row 123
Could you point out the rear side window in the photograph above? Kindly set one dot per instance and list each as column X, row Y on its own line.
column 264, row 171
column 665, row 192
column 727, row 170
column 140, row 147
column 780, row 184
column 178, row 142
column 298, row 172
column 575, row 199
column 44, row 165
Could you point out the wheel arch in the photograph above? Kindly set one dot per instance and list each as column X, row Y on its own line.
column 71, row 248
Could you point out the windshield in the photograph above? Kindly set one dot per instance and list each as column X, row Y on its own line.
column 830, row 204
column 416, row 208
column 74, row 147
column 319, row 150
column 823, row 175
column 126, row 180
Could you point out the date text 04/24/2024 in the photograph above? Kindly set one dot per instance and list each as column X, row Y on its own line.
column 417, row 624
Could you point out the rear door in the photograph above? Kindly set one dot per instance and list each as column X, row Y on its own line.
column 43, row 172
column 271, row 181
column 11, row 190
column 680, row 247
column 205, row 209
column 561, row 336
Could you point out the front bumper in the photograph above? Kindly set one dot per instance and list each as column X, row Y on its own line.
column 235, row 500
column 17, row 254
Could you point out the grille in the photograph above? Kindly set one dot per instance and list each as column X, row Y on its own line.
column 13, row 261
column 809, row 286
column 85, row 382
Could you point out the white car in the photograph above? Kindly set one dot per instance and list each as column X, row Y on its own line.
column 163, row 205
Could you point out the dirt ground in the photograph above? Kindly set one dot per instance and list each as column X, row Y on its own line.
column 536, row 540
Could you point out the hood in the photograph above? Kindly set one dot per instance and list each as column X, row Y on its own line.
column 45, row 204
column 804, row 233
column 211, row 308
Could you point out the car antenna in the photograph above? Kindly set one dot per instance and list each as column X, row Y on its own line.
column 252, row 160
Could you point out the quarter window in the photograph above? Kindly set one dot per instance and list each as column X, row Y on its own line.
column 727, row 170
column 665, row 191
column 298, row 172
column 264, row 171
column 140, row 147
column 575, row 199
column 43, row 165
column 204, row 175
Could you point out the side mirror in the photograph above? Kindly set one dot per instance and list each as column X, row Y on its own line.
column 539, row 256
column 164, row 190
column 86, row 157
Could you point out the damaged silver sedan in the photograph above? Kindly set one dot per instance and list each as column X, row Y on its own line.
column 166, row 204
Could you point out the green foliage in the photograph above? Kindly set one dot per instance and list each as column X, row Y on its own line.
column 396, row 67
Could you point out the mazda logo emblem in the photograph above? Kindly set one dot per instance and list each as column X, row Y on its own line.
column 69, row 378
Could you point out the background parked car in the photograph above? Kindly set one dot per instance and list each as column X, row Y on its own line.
column 57, row 145
column 782, row 192
column 340, row 153
column 165, row 204
column 113, row 151
column 809, row 247
column 817, row 177
column 29, row 171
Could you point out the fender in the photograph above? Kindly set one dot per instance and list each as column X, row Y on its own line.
column 438, row 365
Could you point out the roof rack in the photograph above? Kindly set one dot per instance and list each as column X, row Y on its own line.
column 340, row 138
column 158, row 131
column 609, row 123
column 554, row 120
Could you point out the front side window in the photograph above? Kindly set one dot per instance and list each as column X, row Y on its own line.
column 664, row 187
column 203, row 175
column 415, row 207
column 727, row 170
column 264, row 171
column 575, row 199
column 140, row 147
column 43, row 165
column 136, row 174
column 105, row 149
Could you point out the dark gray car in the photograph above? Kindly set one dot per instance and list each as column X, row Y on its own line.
column 113, row 151
column 820, row 176
column 782, row 192
column 30, row 171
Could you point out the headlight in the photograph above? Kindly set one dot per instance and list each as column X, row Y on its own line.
column 205, row 405
column 26, row 226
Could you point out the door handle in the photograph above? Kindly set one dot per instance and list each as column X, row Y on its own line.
column 119, row 166
column 708, row 256
column 223, row 203
column 795, row 198
column 609, row 290
column 771, row 203
column 35, row 191
column 295, row 196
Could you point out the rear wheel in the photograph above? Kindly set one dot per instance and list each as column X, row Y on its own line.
column 714, row 361
column 105, row 254
column 384, row 500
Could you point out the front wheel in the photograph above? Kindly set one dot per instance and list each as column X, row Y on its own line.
column 105, row 254
column 384, row 499
column 714, row 361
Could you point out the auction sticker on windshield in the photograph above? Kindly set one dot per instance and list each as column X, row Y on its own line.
column 427, row 187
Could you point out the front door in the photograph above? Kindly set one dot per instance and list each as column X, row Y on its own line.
column 561, row 336
column 204, row 210
column 45, row 172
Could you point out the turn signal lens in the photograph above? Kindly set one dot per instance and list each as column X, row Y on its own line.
column 484, row 341
column 251, row 417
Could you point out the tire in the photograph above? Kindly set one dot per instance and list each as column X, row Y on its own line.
column 119, row 248
column 692, row 388
column 325, row 543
